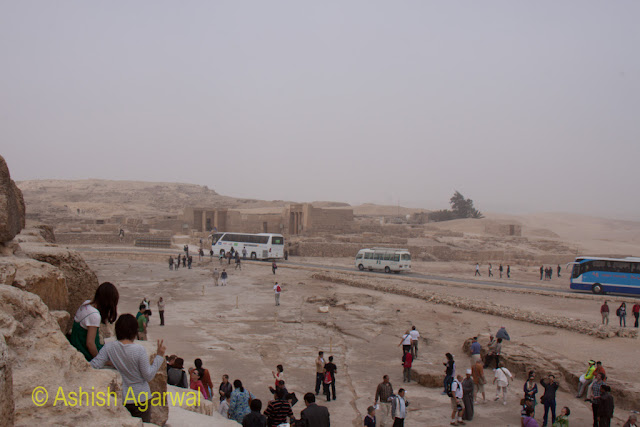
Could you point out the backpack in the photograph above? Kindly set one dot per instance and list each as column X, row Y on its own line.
column 447, row 386
column 618, row 311
column 327, row 378
column 278, row 289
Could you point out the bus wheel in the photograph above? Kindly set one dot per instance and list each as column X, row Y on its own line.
column 360, row 267
column 387, row 269
column 254, row 256
column 597, row 289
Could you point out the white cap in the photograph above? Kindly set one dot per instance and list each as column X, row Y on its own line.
column 469, row 371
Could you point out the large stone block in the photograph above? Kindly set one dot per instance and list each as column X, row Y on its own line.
column 12, row 211
column 81, row 280
column 6, row 386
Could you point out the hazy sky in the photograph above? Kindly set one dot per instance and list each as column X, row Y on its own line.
column 522, row 106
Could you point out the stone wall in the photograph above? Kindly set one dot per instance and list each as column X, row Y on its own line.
column 12, row 209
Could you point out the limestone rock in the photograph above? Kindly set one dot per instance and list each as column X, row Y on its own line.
column 81, row 280
column 36, row 277
column 6, row 386
column 12, row 211
column 63, row 318
column 159, row 414
column 42, row 356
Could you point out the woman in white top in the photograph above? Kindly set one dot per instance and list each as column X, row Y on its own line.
column 102, row 309
column 132, row 362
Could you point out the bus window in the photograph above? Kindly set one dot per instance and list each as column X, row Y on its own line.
column 576, row 271
column 406, row 257
column 635, row 267
column 621, row 267
column 359, row 256
column 376, row 257
column 396, row 257
column 215, row 238
column 276, row 240
column 387, row 257
column 368, row 255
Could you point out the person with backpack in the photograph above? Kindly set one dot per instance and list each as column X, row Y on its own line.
column 277, row 290
column 398, row 408
column 330, row 370
column 449, row 373
column 456, row 394
column 407, row 360
column 621, row 312
column 501, row 380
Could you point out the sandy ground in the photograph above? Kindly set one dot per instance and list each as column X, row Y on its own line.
column 249, row 339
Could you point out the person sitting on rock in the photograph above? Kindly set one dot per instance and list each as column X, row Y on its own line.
column 132, row 362
column 102, row 309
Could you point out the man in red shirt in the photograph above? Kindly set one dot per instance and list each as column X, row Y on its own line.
column 604, row 311
column 636, row 313
column 407, row 360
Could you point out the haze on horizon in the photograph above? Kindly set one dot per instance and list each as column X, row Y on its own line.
column 521, row 106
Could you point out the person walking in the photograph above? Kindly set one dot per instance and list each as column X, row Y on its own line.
column 477, row 372
column 636, row 313
column 415, row 335
column 177, row 266
column 558, row 270
column 621, row 312
column 384, row 391
column 477, row 270
column 490, row 270
column 605, row 410
column 604, row 311
column 596, row 387
column 238, row 264
column 500, row 270
column 221, row 257
column 508, row 272
column 277, row 290
column 467, row 396
column 170, row 262
column 244, row 253
column 319, row 371
column 216, row 276
column 632, row 421
column 549, row 398
column 132, row 362
column 542, row 271
column 161, row 310
column 456, row 396
column 223, row 277
column 501, row 380
column 274, row 267
column 331, row 369
column 399, row 408
column 405, row 342
column 189, row 261
column 407, row 360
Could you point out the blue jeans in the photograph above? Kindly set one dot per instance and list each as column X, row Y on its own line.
column 547, row 405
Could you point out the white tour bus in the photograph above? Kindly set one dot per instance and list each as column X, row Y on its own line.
column 258, row 246
column 387, row 259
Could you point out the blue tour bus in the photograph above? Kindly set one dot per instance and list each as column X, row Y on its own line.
column 602, row 275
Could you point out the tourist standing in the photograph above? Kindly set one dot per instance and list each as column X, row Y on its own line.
column 501, row 380
column 277, row 290
column 370, row 419
column 205, row 377
column 223, row 277
column 530, row 390
column 549, row 398
column 415, row 335
column 449, row 372
column 239, row 405
column 399, row 408
column 331, row 369
column 319, row 371
column 500, row 269
column 476, row 348
column 195, row 382
column 216, row 276
column 254, row 418
column 596, row 387
column 178, row 262
column 497, row 351
column 279, row 409
column 161, row 310
column 542, row 271
column 490, row 270
column 143, row 321
column 508, row 271
column 477, row 270
column 184, row 261
column 244, row 253
column 456, row 396
column 383, row 392
column 636, row 313
column 101, row 309
column 176, row 375
column 604, row 311
column 407, row 360
column 605, row 411
column 314, row 415
column 170, row 262
column 274, row 267
column 132, row 362
column 621, row 312
column 467, row 396
column 477, row 372
column 558, row 270
column 189, row 261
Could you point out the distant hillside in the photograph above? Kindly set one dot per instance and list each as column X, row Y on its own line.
column 104, row 198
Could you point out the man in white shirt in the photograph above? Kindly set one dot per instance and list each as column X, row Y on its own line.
column 414, row 342
column 398, row 408
column 405, row 342
column 501, row 380
column 456, row 401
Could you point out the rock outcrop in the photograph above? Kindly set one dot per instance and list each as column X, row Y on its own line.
column 81, row 281
column 36, row 277
column 41, row 356
column 12, row 211
column 6, row 385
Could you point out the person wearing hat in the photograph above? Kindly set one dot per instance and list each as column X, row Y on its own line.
column 587, row 378
column 467, row 396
